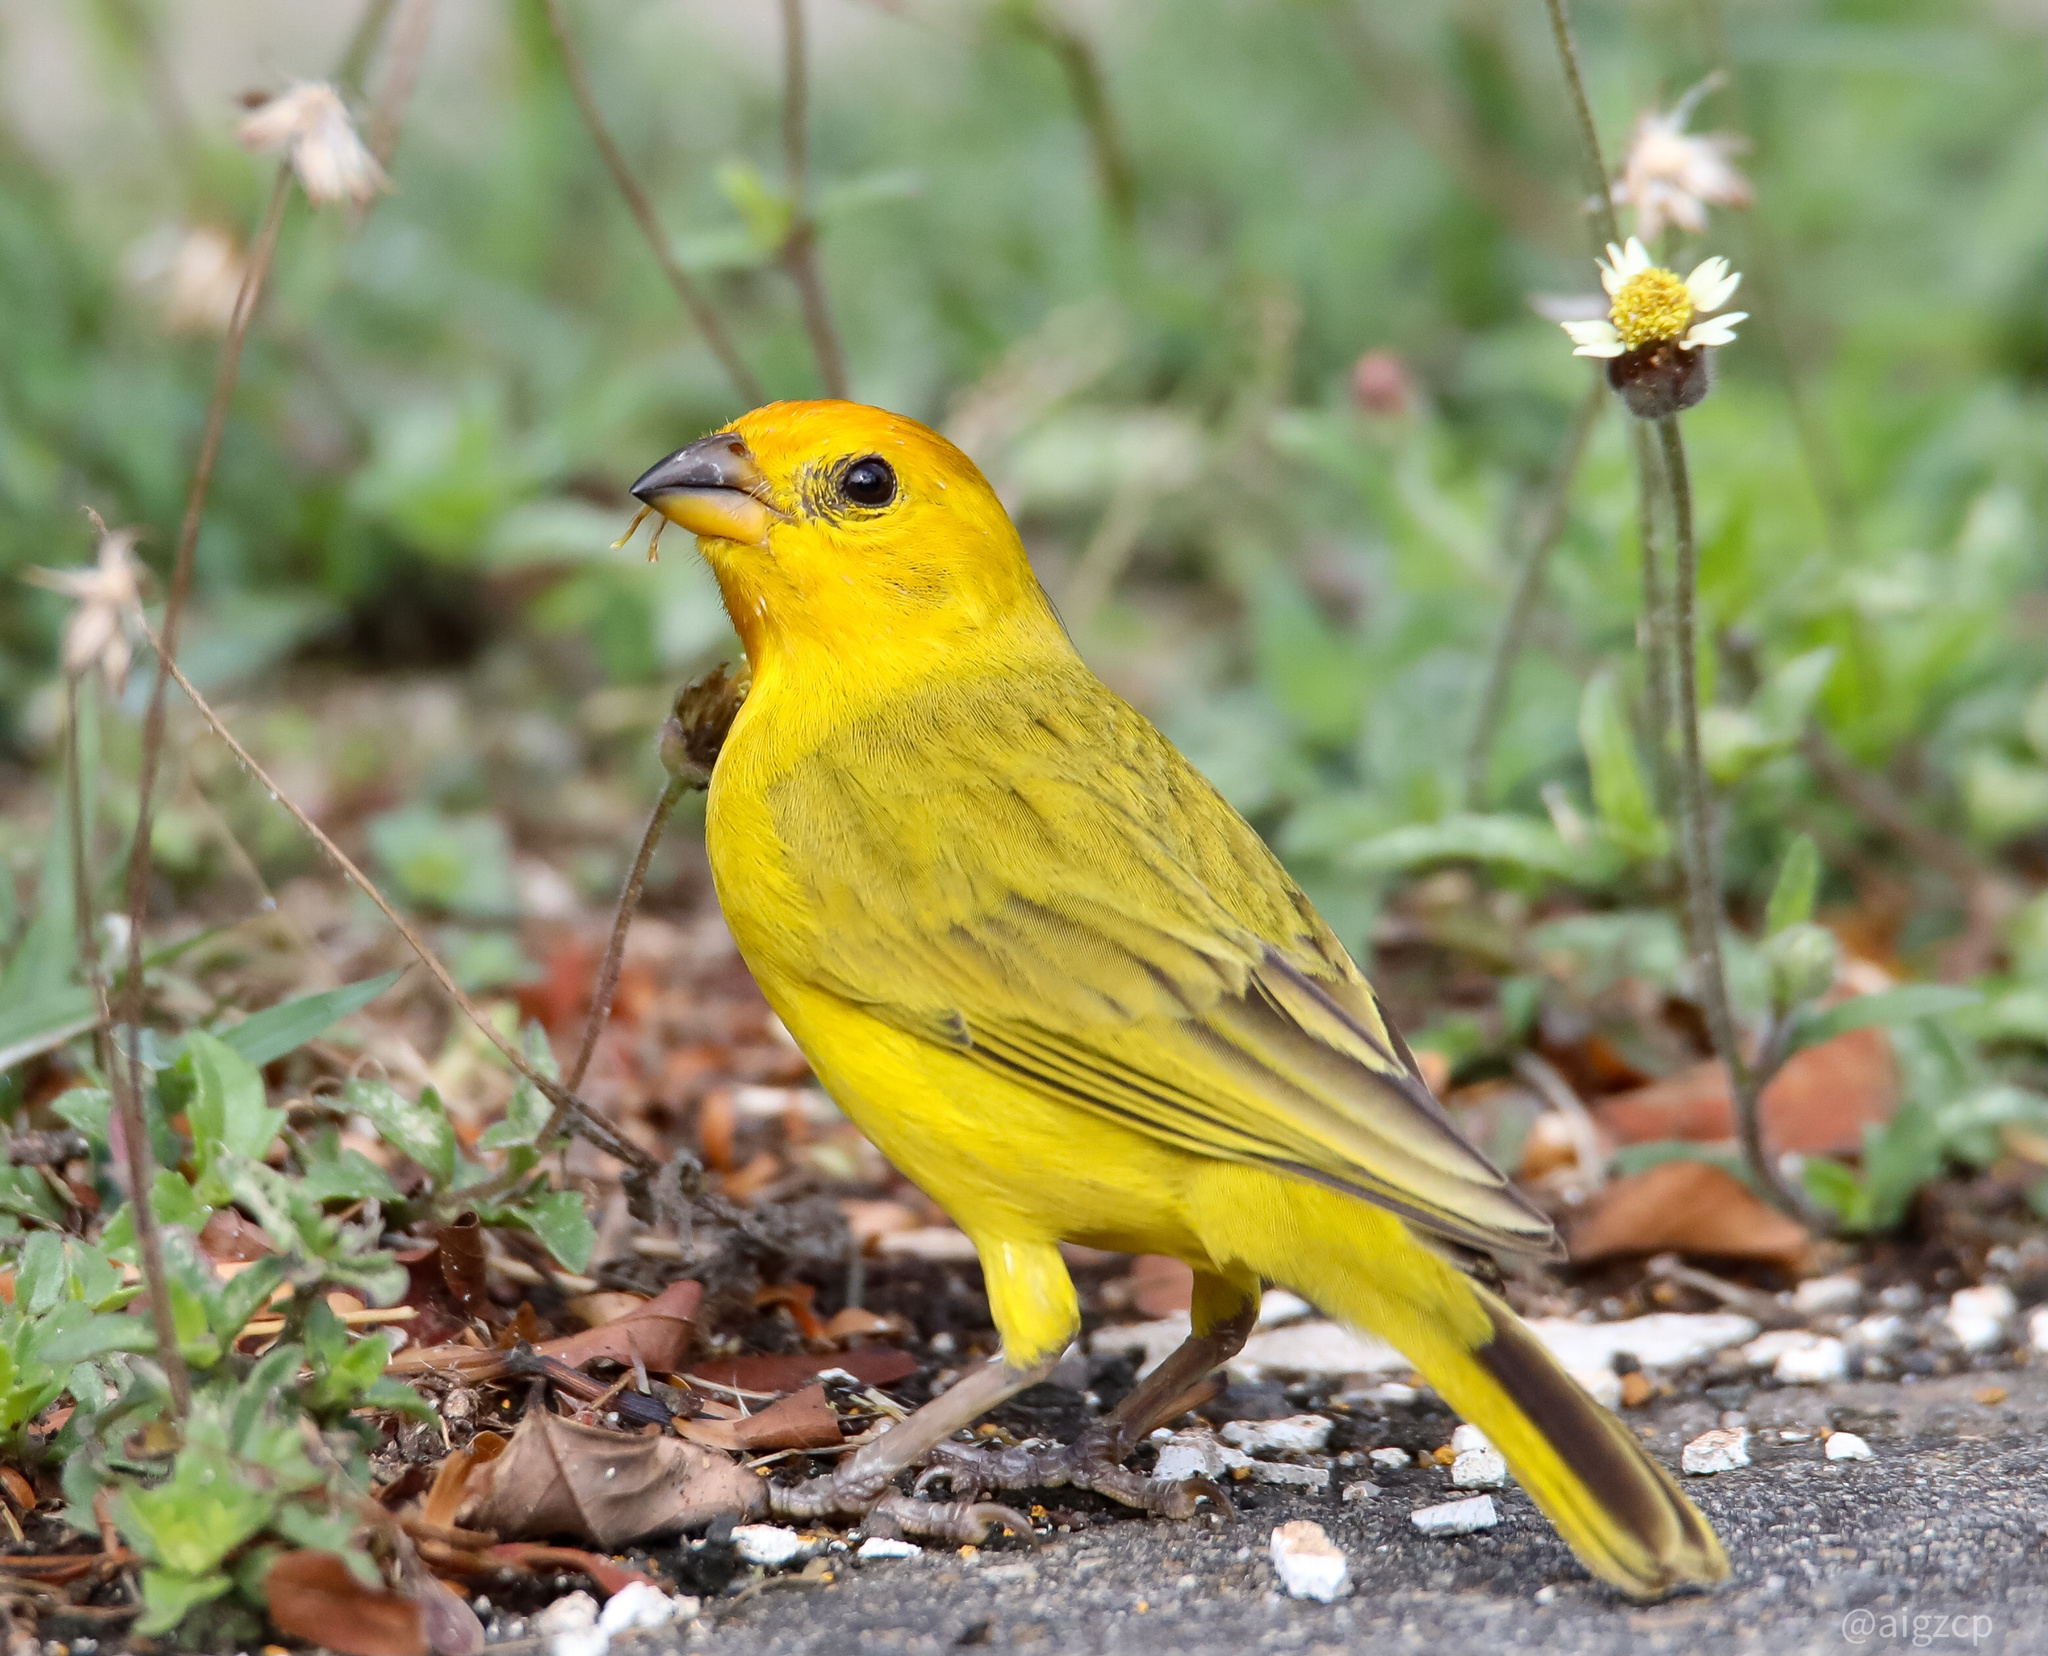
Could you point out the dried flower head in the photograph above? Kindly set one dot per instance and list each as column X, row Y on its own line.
column 309, row 119
column 1656, row 328
column 1673, row 176
column 694, row 733
column 108, row 597
column 195, row 272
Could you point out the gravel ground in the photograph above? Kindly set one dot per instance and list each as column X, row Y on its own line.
column 1936, row 1544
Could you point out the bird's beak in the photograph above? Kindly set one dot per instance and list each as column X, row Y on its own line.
column 712, row 488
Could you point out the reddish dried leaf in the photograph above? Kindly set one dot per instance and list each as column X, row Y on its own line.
column 462, row 1265
column 867, row 1221
column 796, row 1297
column 451, row 1482
column 561, row 997
column 871, row 1366
column 717, row 1121
column 1161, row 1286
column 857, row 1325
column 19, row 1490
column 802, row 1420
column 1818, row 1104
column 559, row 1477
column 1687, row 1207
column 313, row 1596
column 227, row 1235
column 658, row 1331
column 531, row 1555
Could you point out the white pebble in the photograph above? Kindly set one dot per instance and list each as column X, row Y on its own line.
column 1766, row 1349
column 1479, row 1469
column 2037, row 1328
column 1848, row 1446
column 1310, row 1565
column 641, row 1604
column 886, row 1546
column 1303, row 1433
column 1722, row 1450
column 569, row 1627
column 1279, row 1306
column 1662, row 1340
column 1977, row 1316
column 1313, row 1348
column 769, row 1545
column 1197, row 1454
column 1819, row 1364
column 1391, row 1458
column 1602, row 1385
column 1879, row 1332
column 1821, row 1296
column 1364, row 1490
column 1474, row 1513
column 1291, row 1473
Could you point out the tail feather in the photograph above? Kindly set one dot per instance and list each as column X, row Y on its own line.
column 1617, row 1508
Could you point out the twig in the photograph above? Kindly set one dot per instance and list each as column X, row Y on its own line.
column 1702, row 889
column 408, row 52
column 1549, row 531
column 1077, row 58
column 800, row 245
column 81, row 881
column 1656, row 635
column 1600, row 200
column 126, row 1081
column 641, row 207
column 1557, row 1092
column 615, row 951
column 1883, row 804
column 362, row 45
column 593, row 1126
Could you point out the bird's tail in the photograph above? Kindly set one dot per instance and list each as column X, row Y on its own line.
column 1619, row 1510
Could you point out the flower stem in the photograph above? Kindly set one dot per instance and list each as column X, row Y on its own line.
column 1656, row 638
column 641, row 206
column 1507, row 645
column 1702, row 889
column 81, row 880
column 1600, row 199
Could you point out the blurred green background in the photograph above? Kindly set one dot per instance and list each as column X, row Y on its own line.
column 1146, row 323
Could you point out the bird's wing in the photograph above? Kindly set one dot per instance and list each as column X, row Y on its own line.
column 1064, row 899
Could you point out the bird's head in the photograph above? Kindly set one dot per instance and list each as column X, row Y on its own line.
column 835, row 525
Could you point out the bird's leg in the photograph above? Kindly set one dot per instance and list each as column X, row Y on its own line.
column 861, row 1485
column 1095, row 1460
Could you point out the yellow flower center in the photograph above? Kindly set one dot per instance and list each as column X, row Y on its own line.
column 1652, row 305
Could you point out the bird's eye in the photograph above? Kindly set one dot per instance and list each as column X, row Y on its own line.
column 868, row 482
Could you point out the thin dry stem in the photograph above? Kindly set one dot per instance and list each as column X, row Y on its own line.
column 81, row 880
column 593, row 1126
column 408, row 52
column 1600, row 202
column 1656, row 619
column 1556, row 513
column 615, row 951
column 641, row 206
column 1702, row 889
column 800, row 246
column 1088, row 87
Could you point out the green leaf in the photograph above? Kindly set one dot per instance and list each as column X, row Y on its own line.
column 1619, row 791
column 227, row 1109
column 41, row 1274
column 1898, row 1159
column 96, row 1338
column 270, row 1034
column 347, row 1175
column 1884, row 1010
column 246, row 1293
column 31, row 1027
column 202, row 1512
column 560, row 1221
column 420, row 1130
column 1837, row 1189
column 460, row 864
column 1526, row 843
column 169, row 1596
column 1798, row 883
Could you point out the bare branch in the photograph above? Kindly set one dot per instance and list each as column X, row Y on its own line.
column 800, row 246
column 1086, row 85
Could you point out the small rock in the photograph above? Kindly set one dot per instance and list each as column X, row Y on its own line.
column 1279, row 1306
column 1395, row 1394
column 1820, row 1364
column 769, row 1545
column 641, row 1604
column 1364, row 1490
column 1848, row 1446
column 1197, row 1454
column 1978, row 1316
column 1391, row 1458
column 1880, row 1332
column 1466, row 1517
column 1475, row 1463
column 1662, row 1340
column 1717, row 1451
column 1820, row 1296
column 1766, row 1349
column 2037, row 1328
column 1292, row 1473
column 1900, row 1296
column 1302, row 1434
column 886, row 1546
column 1602, row 1385
column 568, row 1627
column 1312, row 1348
column 1636, row 1389
column 1310, row 1565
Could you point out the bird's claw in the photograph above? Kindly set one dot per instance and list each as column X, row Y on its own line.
column 973, row 1471
column 883, row 1511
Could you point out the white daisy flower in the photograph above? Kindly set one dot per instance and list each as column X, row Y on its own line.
column 1650, row 305
column 1671, row 176
column 309, row 119
column 109, row 596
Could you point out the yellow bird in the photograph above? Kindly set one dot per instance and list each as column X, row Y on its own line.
column 1069, row 991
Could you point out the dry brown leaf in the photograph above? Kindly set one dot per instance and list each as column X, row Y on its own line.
column 226, row 1235
column 865, row 1220
column 313, row 1595
column 532, row 1556
column 802, row 1420
column 785, row 1372
column 607, row 1305
column 557, row 1477
column 1687, row 1207
column 462, row 1265
column 444, row 1500
column 657, row 1331
column 856, row 1323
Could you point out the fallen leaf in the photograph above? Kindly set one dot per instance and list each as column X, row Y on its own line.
column 857, row 1323
column 866, row 1221
column 462, row 1265
column 607, row 1305
column 871, row 1366
column 796, row 1298
column 534, row 1557
column 314, row 1596
column 227, row 1235
column 1160, row 1285
column 19, row 1490
column 445, row 1498
column 558, row 1477
column 802, row 1420
column 1817, row 1105
column 657, row 1330
column 1687, row 1207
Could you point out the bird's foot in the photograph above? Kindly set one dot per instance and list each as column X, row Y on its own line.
column 846, row 1494
column 973, row 1471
